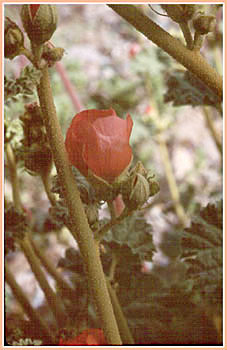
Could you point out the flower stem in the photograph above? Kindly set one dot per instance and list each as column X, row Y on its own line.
column 47, row 186
column 52, row 299
column 99, row 234
column 171, row 181
column 27, row 307
column 192, row 60
column 52, row 270
column 80, row 227
column 11, row 163
column 211, row 127
column 187, row 34
column 124, row 330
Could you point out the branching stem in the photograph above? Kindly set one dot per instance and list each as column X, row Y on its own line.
column 192, row 60
column 27, row 307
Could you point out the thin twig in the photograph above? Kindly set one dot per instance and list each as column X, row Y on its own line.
column 171, row 181
column 211, row 127
column 27, row 307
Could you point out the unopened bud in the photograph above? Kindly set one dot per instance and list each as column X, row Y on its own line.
column 52, row 55
column 92, row 213
column 13, row 39
column 204, row 24
column 140, row 192
column 38, row 159
column 180, row 13
column 39, row 21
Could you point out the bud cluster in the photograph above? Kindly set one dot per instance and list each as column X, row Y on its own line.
column 180, row 13
column 135, row 185
column 36, row 151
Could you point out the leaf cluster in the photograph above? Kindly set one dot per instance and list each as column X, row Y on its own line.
column 202, row 250
column 23, row 86
column 183, row 311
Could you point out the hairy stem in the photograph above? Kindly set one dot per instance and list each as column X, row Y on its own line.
column 99, row 234
column 124, row 330
column 11, row 163
column 52, row 270
column 52, row 299
column 171, row 181
column 211, row 127
column 187, row 34
column 47, row 186
column 192, row 60
column 80, row 227
column 27, row 307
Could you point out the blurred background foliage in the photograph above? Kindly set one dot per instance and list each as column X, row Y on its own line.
column 177, row 299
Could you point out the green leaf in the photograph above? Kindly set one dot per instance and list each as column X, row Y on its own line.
column 183, row 88
column 132, row 237
column 203, row 252
column 24, row 85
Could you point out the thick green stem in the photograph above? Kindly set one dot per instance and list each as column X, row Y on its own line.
column 192, row 60
column 52, row 299
column 27, row 307
column 80, row 227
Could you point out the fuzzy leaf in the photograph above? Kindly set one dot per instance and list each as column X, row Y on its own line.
column 132, row 237
column 203, row 252
column 23, row 85
column 183, row 88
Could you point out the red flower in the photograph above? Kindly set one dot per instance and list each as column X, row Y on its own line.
column 90, row 336
column 98, row 140
column 33, row 10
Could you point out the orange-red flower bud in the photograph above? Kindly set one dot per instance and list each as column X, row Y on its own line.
column 92, row 336
column 98, row 140
column 39, row 21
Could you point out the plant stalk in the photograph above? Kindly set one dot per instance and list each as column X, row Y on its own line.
column 171, row 181
column 124, row 330
column 80, row 227
column 192, row 60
